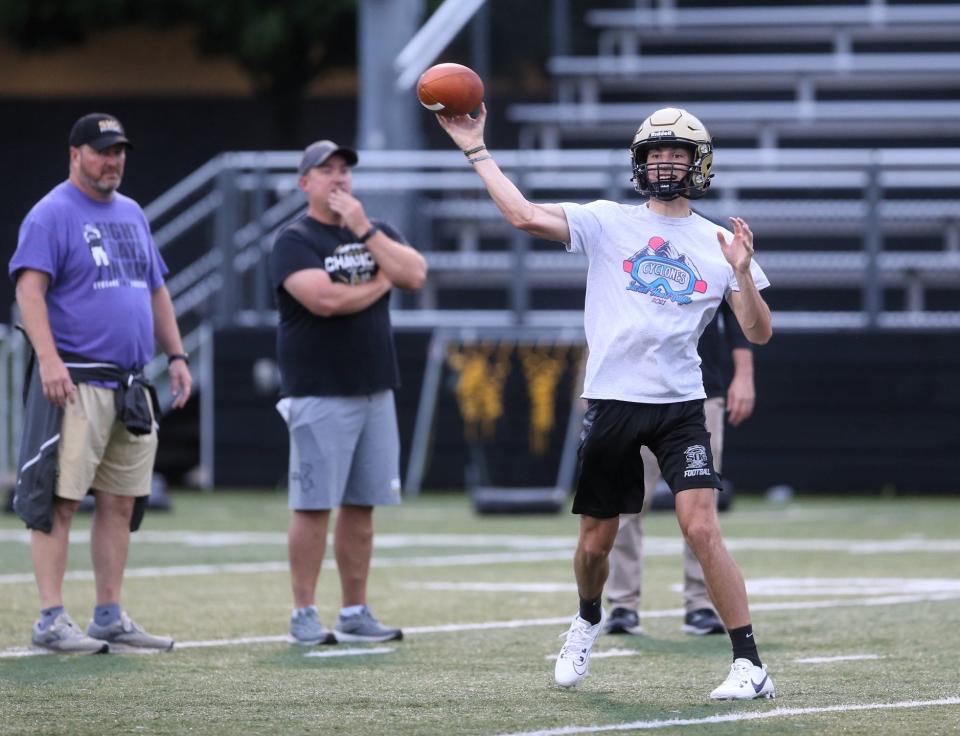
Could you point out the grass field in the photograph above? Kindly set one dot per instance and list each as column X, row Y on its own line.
column 855, row 605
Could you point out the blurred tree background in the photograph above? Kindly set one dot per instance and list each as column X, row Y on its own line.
column 282, row 45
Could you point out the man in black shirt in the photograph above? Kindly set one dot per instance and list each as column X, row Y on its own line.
column 333, row 270
column 722, row 347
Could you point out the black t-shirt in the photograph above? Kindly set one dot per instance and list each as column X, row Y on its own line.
column 344, row 355
column 718, row 340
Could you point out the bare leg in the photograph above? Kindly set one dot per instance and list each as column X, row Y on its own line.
column 353, row 547
column 697, row 516
column 50, row 553
column 110, row 543
column 590, row 563
column 306, row 544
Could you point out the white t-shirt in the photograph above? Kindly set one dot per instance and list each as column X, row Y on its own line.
column 653, row 285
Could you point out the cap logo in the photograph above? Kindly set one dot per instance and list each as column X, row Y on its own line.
column 110, row 126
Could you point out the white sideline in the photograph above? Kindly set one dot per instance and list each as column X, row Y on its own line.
column 553, row 621
column 735, row 717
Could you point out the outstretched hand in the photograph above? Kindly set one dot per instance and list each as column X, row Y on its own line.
column 466, row 131
column 739, row 251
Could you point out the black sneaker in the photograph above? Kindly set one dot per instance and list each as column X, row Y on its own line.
column 701, row 622
column 623, row 621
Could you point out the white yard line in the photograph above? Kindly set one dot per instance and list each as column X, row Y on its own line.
column 279, row 539
column 840, row 658
column 657, row 545
column 606, row 653
column 736, row 717
column 553, row 621
column 354, row 652
column 240, row 641
column 778, row 587
column 282, row 566
column 486, row 625
column 494, row 587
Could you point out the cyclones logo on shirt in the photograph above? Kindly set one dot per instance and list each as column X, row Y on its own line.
column 663, row 272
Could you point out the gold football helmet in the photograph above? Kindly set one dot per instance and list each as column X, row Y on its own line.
column 673, row 126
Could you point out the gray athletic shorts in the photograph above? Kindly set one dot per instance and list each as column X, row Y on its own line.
column 344, row 450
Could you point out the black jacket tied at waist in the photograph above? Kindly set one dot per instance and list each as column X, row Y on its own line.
column 132, row 407
column 38, row 466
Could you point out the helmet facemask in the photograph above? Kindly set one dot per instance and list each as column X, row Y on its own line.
column 674, row 128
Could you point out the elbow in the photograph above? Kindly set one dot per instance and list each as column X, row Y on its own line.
column 416, row 283
column 419, row 278
column 523, row 218
column 415, row 278
column 519, row 221
column 527, row 225
column 761, row 336
column 323, row 307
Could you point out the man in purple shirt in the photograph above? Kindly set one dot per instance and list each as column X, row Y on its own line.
column 89, row 285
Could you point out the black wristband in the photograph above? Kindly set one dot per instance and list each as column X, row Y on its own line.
column 185, row 357
column 369, row 234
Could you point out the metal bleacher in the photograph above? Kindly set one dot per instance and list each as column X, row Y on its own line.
column 763, row 74
column 624, row 30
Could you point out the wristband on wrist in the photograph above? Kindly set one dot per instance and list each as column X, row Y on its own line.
column 185, row 357
column 472, row 151
column 369, row 234
column 480, row 158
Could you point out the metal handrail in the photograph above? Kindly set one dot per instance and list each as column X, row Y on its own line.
column 432, row 38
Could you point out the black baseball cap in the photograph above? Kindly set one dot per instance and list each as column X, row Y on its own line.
column 98, row 130
column 316, row 154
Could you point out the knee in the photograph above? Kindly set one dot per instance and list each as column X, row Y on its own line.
column 65, row 508
column 700, row 533
column 113, row 505
column 595, row 549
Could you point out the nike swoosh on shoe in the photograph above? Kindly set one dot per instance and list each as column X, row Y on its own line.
column 758, row 687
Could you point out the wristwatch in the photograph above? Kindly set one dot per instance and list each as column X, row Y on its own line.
column 185, row 357
column 369, row 234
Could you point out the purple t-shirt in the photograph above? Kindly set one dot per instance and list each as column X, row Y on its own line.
column 103, row 267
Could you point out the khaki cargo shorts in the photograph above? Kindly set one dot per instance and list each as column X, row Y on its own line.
column 97, row 451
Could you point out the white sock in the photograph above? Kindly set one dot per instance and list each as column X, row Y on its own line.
column 351, row 610
column 297, row 612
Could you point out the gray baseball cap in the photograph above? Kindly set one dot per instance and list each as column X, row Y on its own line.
column 316, row 154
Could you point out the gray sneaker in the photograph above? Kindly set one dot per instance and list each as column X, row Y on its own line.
column 306, row 629
column 63, row 635
column 363, row 626
column 128, row 632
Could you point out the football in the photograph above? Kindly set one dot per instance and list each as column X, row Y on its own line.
column 450, row 89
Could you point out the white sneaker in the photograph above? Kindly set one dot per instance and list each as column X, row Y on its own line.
column 574, row 659
column 746, row 681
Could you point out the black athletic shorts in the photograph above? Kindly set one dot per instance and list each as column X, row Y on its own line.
column 611, row 471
